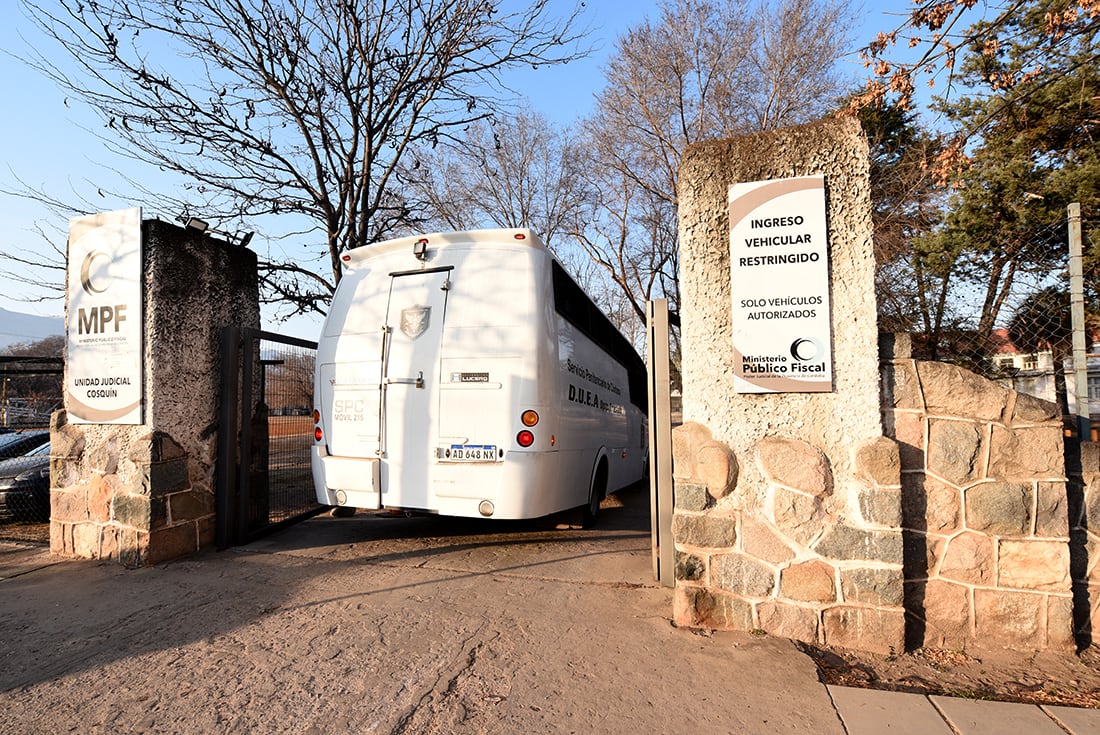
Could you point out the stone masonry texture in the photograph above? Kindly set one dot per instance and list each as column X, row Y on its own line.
column 985, row 510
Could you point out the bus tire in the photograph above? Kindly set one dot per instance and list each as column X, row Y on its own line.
column 342, row 511
column 596, row 493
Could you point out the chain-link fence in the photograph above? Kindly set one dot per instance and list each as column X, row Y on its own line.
column 1000, row 308
column 30, row 390
column 25, row 477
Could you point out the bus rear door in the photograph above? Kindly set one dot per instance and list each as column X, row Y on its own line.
column 410, row 372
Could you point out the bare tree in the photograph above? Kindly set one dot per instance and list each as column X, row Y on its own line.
column 705, row 69
column 522, row 171
column 289, row 379
column 300, row 109
column 630, row 233
column 516, row 171
column 39, row 269
column 793, row 75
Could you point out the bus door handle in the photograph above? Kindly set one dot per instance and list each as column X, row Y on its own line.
column 418, row 381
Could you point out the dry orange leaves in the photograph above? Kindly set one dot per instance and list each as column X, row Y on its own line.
column 937, row 25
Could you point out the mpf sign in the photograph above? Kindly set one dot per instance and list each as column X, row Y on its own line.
column 779, row 271
column 104, row 319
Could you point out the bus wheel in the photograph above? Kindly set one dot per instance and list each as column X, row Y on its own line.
column 342, row 511
column 596, row 494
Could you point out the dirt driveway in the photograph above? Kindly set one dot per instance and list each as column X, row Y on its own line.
column 373, row 624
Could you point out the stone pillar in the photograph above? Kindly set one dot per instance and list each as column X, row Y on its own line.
column 788, row 505
column 142, row 494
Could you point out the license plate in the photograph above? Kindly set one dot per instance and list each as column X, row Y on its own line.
column 470, row 453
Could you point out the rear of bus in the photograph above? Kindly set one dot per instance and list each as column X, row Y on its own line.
column 436, row 368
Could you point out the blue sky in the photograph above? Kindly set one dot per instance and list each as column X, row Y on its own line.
column 51, row 145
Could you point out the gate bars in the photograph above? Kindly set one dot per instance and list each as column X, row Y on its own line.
column 264, row 481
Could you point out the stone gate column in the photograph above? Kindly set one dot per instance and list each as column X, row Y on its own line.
column 141, row 493
column 788, row 514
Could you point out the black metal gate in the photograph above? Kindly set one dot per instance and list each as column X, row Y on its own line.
column 263, row 473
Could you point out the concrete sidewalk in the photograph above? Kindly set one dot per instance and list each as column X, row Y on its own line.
column 418, row 625
column 870, row 712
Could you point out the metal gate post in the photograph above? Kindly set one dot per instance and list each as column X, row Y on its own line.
column 660, row 442
column 228, row 413
column 250, row 343
column 1077, row 314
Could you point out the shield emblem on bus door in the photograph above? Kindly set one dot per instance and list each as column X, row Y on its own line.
column 414, row 320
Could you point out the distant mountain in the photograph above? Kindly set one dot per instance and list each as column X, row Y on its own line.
column 16, row 328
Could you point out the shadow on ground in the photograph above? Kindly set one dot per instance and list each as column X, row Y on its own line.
column 62, row 618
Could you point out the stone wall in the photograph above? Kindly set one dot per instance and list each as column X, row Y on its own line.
column 984, row 509
column 145, row 493
column 1084, row 513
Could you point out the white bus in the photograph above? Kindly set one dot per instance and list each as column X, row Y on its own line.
column 466, row 374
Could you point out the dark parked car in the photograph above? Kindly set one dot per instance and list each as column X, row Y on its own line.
column 18, row 444
column 25, row 486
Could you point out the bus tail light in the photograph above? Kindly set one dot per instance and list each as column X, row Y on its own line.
column 525, row 438
column 318, row 435
column 529, row 418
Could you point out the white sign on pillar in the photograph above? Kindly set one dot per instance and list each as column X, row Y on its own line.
column 779, row 272
column 103, row 376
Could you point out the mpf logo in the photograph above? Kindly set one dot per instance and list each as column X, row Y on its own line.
column 806, row 352
column 86, row 273
column 96, row 319
column 804, row 349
